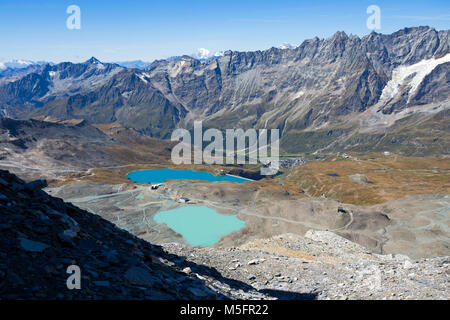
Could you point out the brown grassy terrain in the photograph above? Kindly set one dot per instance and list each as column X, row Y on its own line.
column 384, row 177
column 388, row 178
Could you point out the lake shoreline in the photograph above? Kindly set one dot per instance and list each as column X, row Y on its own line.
column 165, row 174
column 232, row 175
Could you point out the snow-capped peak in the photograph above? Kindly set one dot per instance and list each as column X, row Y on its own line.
column 286, row 46
column 93, row 60
column 22, row 62
column 204, row 54
column 15, row 64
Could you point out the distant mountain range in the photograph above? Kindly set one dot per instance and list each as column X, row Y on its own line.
column 379, row 92
column 20, row 64
column 138, row 64
column 15, row 64
column 201, row 54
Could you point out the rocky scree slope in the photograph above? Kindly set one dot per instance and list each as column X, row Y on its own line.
column 325, row 266
column 41, row 236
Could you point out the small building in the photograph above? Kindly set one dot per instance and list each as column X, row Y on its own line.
column 183, row 200
column 341, row 210
column 155, row 186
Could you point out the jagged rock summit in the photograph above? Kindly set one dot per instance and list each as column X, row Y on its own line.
column 344, row 92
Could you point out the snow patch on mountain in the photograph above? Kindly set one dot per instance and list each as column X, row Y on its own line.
column 411, row 76
column 144, row 77
column 177, row 68
column 299, row 94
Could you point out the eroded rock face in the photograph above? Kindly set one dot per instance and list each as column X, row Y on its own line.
column 315, row 84
column 315, row 94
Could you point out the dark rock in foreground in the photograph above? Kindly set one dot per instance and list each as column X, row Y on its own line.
column 42, row 236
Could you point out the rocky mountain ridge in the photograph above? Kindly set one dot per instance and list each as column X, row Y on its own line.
column 343, row 92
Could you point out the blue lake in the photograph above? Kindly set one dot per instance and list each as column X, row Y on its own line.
column 162, row 175
column 200, row 226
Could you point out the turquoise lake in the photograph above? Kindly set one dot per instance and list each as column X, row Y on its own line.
column 162, row 175
column 200, row 226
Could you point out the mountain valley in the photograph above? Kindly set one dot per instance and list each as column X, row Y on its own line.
column 359, row 209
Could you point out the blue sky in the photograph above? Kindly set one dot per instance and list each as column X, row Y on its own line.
column 148, row 30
